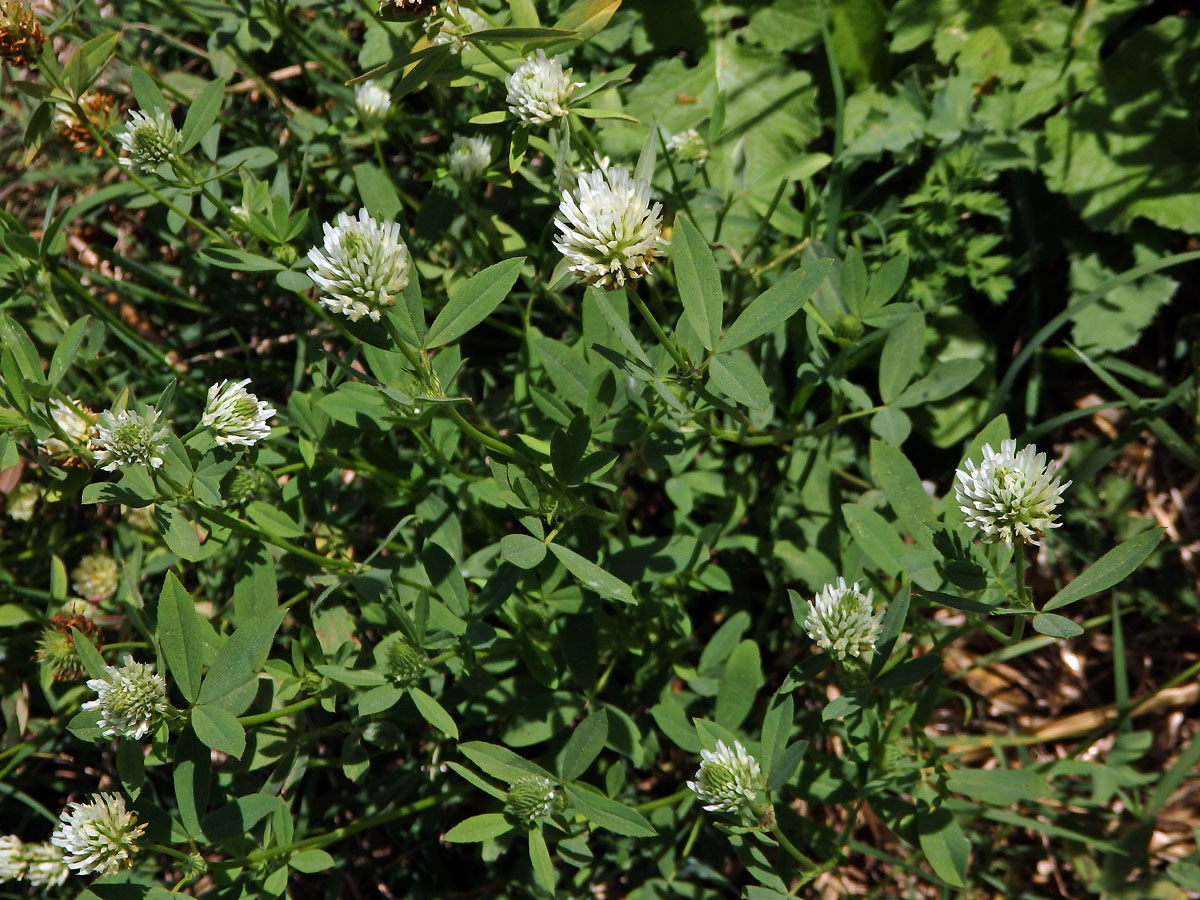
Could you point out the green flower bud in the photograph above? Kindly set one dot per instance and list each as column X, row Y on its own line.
column 531, row 798
column 402, row 660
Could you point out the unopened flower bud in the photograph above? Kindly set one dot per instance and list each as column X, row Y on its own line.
column 531, row 798
column 403, row 661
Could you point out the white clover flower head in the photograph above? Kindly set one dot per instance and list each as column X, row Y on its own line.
column 12, row 859
column 374, row 103
column 96, row 577
column 99, row 836
column 531, row 798
column 688, row 146
column 129, row 438
column 149, row 140
column 729, row 778
column 842, row 620
column 362, row 267
column 45, row 866
column 610, row 230
column 131, row 699
column 1011, row 495
column 469, row 157
column 538, row 90
column 77, row 422
column 454, row 28
column 235, row 415
column 22, row 501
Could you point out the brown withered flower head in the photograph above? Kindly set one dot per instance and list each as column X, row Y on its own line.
column 397, row 8
column 21, row 37
column 56, row 647
column 101, row 110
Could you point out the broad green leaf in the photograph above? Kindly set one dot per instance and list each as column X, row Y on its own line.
column 1056, row 626
column 92, row 661
column 273, row 520
column 238, row 660
column 310, row 861
column 673, row 721
column 478, row 828
column 219, row 729
column 146, row 92
column 885, row 283
column 472, row 302
column 192, row 779
column 946, row 379
column 584, row 745
column 593, row 577
column 902, row 486
column 433, row 712
column 539, row 858
column 587, row 18
column 901, row 355
column 500, row 762
column 522, row 550
column 739, row 685
column 377, row 193
column 999, row 787
column 944, row 845
column 236, row 818
column 775, row 305
column 202, row 114
column 736, row 376
column 1110, row 569
column 181, row 635
column 608, row 814
column 239, row 260
column 699, row 282
column 875, row 536
column 65, row 352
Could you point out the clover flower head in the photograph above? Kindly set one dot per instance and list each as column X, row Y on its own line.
column 96, row 577
column 131, row 699
column 362, row 267
column 45, row 866
column 538, row 90
column 12, row 859
column 1011, row 495
column 374, row 102
column 22, row 501
column 531, row 798
column 149, row 140
column 21, row 38
column 841, row 620
column 729, row 778
column 610, row 230
column 129, row 438
column 403, row 662
column 469, row 157
column 74, row 420
column 99, row 836
column 688, row 146
column 235, row 415
column 455, row 26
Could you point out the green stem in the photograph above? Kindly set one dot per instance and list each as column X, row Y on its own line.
column 247, row 528
column 281, row 713
column 478, row 436
column 791, row 848
column 165, row 850
column 833, row 209
column 1023, row 597
column 669, row 345
column 482, row 48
